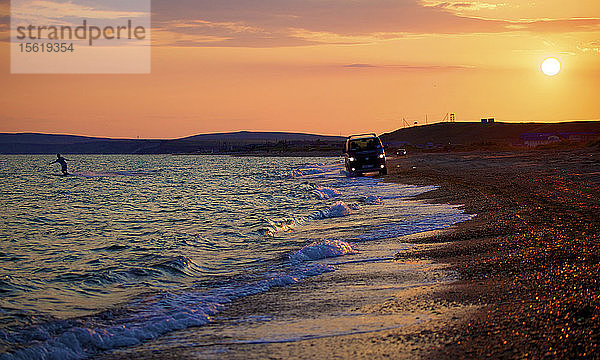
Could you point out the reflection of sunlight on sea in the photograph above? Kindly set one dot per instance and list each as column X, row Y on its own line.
column 158, row 243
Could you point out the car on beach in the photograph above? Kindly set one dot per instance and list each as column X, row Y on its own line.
column 401, row 152
column 364, row 153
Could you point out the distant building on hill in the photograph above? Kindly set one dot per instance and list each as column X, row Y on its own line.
column 536, row 139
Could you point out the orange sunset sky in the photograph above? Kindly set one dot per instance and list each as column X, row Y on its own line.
column 325, row 66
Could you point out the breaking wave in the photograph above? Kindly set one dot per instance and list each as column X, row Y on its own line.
column 322, row 249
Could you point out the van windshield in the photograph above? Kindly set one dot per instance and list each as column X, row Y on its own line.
column 364, row 144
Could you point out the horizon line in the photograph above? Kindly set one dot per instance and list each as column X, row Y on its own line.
column 288, row 132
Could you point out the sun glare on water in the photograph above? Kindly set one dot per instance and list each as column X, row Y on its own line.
column 551, row 66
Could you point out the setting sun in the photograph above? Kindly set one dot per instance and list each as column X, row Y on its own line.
column 551, row 66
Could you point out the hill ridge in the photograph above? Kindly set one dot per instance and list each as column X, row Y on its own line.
column 225, row 142
column 465, row 133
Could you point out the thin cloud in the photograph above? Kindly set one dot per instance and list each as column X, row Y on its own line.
column 200, row 32
column 592, row 46
column 4, row 9
column 48, row 9
column 4, row 33
column 234, row 34
column 325, row 37
column 360, row 66
column 560, row 25
column 267, row 23
column 200, row 24
column 164, row 37
column 409, row 67
column 462, row 5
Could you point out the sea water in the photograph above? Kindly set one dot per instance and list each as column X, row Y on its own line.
column 129, row 248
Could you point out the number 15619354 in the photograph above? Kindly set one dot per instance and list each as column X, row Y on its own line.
column 48, row 47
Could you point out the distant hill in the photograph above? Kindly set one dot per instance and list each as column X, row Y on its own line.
column 46, row 139
column 460, row 133
column 234, row 142
column 34, row 143
column 251, row 136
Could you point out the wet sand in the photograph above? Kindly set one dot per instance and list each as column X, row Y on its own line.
column 518, row 281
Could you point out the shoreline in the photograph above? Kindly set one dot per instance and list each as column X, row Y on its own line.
column 515, row 293
column 371, row 306
column 530, row 258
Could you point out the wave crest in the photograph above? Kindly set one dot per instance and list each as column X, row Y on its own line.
column 339, row 209
column 323, row 192
column 321, row 250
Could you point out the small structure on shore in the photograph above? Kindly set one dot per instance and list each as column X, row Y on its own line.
column 537, row 139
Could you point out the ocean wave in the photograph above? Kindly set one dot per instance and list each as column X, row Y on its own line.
column 317, row 170
column 324, row 192
column 6, row 286
column 95, row 174
column 339, row 209
column 372, row 200
column 159, row 267
column 179, row 265
column 114, row 247
column 143, row 320
column 275, row 227
column 305, row 171
column 321, row 250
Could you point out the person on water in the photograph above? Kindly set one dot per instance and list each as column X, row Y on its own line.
column 63, row 163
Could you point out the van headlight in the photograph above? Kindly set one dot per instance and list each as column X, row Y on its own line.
column 351, row 158
column 381, row 156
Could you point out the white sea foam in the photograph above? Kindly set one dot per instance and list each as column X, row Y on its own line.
column 153, row 317
column 280, row 226
column 318, row 170
column 324, row 192
column 397, row 229
column 306, row 171
column 373, row 200
column 321, row 250
column 339, row 209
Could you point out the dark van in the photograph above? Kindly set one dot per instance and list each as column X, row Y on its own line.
column 364, row 153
